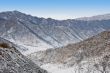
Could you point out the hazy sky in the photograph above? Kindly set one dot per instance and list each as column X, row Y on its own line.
column 57, row 9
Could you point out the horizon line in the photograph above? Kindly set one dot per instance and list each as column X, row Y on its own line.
column 56, row 18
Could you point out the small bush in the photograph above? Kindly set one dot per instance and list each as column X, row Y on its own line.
column 4, row 45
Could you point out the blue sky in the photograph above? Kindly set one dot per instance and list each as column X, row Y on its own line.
column 57, row 9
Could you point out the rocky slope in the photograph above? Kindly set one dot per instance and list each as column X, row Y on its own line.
column 34, row 34
column 12, row 61
column 89, row 56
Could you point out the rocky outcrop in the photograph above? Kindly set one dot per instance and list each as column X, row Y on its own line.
column 12, row 61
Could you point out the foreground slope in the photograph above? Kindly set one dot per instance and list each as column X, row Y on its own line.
column 89, row 56
column 34, row 34
column 12, row 61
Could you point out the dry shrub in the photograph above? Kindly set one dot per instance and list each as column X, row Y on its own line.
column 4, row 45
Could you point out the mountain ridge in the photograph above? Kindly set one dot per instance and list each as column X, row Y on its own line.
column 91, row 55
column 79, row 18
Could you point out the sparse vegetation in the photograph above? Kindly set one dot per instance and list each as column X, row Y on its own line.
column 4, row 45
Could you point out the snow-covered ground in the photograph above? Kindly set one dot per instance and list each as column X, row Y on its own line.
column 81, row 68
column 28, row 49
column 32, row 49
column 55, row 68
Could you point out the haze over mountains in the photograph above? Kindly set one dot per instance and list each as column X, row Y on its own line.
column 34, row 34
column 97, row 17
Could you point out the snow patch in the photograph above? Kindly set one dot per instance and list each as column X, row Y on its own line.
column 55, row 68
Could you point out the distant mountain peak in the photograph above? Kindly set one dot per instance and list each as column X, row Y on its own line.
column 9, row 12
column 96, row 17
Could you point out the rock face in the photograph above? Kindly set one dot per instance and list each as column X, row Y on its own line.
column 39, row 33
column 12, row 61
column 89, row 56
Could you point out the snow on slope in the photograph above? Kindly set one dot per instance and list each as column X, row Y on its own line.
column 32, row 49
column 55, row 68
column 84, row 68
column 28, row 49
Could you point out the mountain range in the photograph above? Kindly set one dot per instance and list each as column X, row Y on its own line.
column 33, row 34
column 79, row 45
